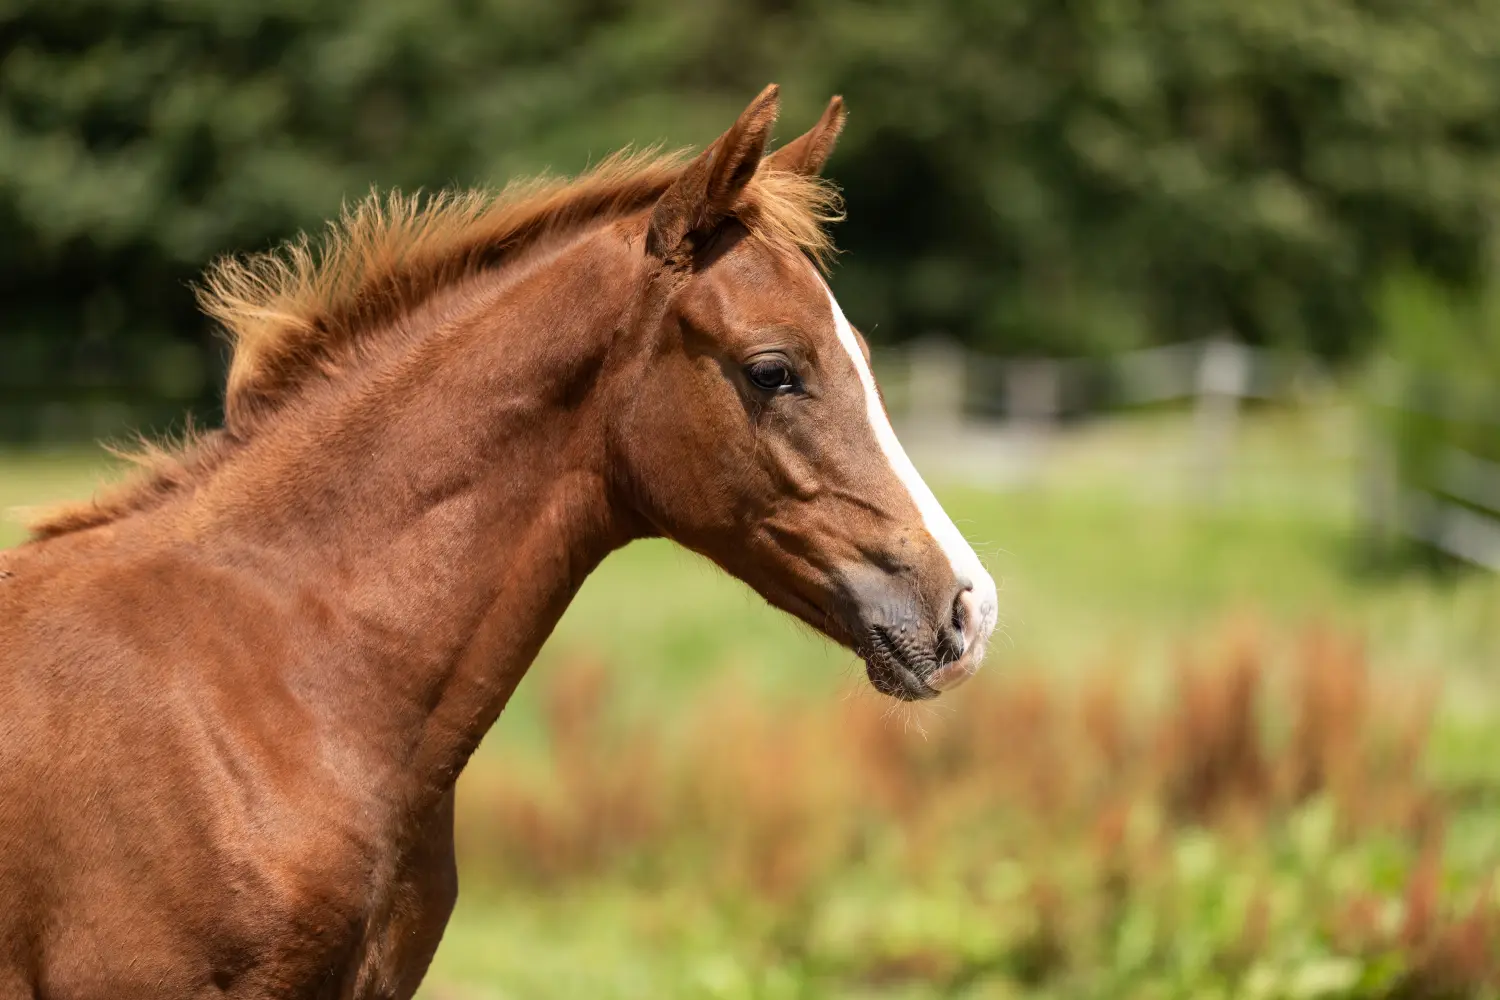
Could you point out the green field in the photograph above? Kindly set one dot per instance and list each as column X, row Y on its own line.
column 653, row 862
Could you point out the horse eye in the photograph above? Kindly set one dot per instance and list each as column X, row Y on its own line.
column 770, row 374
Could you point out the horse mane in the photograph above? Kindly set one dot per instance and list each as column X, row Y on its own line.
column 312, row 308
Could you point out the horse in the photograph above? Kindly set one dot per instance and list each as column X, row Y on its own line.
column 237, row 689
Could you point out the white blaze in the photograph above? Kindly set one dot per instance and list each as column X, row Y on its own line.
column 961, row 555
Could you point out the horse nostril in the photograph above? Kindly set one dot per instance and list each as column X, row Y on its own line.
column 952, row 640
column 960, row 617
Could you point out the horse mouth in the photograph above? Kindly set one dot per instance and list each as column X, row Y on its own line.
column 894, row 669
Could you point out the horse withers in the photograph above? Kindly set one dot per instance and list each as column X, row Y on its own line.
column 236, row 692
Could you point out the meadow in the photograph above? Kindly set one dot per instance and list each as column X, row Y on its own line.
column 1214, row 755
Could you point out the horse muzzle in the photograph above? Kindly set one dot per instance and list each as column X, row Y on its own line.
column 915, row 649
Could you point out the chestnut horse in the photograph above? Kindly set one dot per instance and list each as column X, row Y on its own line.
column 235, row 693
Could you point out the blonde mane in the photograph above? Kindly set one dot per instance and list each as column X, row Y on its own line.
column 314, row 307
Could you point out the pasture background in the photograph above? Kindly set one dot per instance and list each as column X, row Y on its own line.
column 1237, row 742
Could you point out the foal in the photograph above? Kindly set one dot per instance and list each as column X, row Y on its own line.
column 235, row 695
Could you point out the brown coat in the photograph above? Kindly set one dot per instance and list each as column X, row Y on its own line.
column 236, row 694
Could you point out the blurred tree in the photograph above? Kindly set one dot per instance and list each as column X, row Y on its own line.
column 1028, row 175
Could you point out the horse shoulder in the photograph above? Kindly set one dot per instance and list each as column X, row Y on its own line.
column 161, row 769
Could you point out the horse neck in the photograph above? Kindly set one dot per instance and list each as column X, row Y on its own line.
column 445, row 505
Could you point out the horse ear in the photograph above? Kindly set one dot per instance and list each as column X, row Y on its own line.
column 807, row 153
column 705, row 193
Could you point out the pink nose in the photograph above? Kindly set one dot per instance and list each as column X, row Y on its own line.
column 976, row 621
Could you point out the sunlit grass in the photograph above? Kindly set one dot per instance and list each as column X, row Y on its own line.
column 1271, row 826
column 35, row 479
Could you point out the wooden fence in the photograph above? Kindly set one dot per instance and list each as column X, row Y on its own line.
column 941, row 392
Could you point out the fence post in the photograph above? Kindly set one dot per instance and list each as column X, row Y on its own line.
column 936, row 387
column 1033, row 400
column 1223, row 379
column 1379, row 494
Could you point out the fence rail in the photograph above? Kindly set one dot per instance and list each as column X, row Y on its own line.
column 941, row 392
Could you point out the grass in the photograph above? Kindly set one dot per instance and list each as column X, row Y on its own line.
column 739, row 817
column 35, row 479
column 1268, row 828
